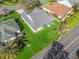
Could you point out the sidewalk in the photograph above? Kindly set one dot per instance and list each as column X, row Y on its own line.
column 42, row 53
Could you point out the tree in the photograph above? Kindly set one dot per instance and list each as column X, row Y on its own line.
column 9, row 50
column 76, row 7
column 14, row 0
column 21, row 40
column 77, row 52
column 2, row 43
column 29, row 5
column 1, row 1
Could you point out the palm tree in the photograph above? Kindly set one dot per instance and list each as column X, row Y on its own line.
column 21, row 40
column 9, row 50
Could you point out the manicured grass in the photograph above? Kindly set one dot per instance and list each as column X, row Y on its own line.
column 73, row 20
column 46, row 1
column 7, row 3
column 39, row 40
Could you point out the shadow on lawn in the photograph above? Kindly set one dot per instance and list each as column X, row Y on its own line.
column 19, row 24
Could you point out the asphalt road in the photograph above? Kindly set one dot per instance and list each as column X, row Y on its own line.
column 73, row 54
column 69, row 37
column 72, row 47
column 71, row 42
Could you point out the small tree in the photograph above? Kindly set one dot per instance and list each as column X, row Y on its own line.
column 21, row 40
column 9, row 50
column 29, row 5
column 1, row 1
column 76, row 7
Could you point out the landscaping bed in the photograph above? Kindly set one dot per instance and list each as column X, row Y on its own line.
column 73, row 20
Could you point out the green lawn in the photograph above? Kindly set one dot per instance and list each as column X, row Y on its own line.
column 73, row 20
column 47, row 1
column 39, row 40
column 7, row 3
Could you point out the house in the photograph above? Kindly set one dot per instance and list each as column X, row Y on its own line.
column 65, row 2
column 73, row 1
column 68, row 3
column 10, row 8
column 57, row 9
column 8, row 29
column 37, row 19
column 7, row 9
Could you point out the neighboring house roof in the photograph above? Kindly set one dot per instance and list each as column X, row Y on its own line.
column 65, row 2
column 37, row 18
column 68, row 3
column 8, row 29
column 73, row 1
column 11, row 8
column 58, row 9
column 8, row 8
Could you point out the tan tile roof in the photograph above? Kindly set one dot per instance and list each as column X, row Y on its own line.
column 58, row 9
